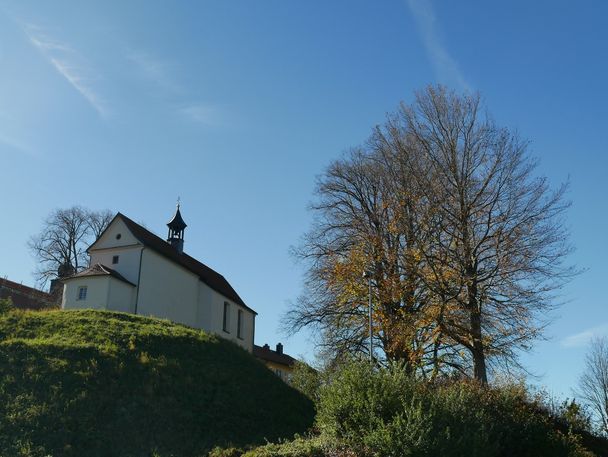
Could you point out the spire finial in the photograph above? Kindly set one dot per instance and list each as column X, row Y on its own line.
column 178, row 201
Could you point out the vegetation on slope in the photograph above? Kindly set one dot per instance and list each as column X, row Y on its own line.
column 98, row 383
column 364, row 412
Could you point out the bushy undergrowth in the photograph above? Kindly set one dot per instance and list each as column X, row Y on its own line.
column 387, row 413
column 300, row 447
column 6, row 305
column 90, row 383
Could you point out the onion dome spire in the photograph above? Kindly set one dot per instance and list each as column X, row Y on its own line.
column 176, row 230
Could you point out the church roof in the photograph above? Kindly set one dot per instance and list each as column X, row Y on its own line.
column 100, row 270
column 209, row 276
column 177, row 223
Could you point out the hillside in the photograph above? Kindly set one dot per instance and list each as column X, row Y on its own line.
column 98, row 383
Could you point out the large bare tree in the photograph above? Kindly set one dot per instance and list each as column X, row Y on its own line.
column 60, row 247
column 593, row 383
column 466, row 244
column 501, row 233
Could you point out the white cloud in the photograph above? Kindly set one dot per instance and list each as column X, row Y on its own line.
column 68, row 64
column 582, row 338
column 446, row 68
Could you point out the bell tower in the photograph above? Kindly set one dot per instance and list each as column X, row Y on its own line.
column 176, row 230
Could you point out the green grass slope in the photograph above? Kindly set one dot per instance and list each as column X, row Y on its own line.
column 75, row 383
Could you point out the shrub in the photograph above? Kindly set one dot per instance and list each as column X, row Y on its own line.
column 226, row 452
column 300, row 447
column 6, row 305
column 306, row 379
column 387, row 413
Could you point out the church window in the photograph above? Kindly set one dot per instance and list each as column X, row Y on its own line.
column 118, row 236
column 82, row 293
column 239, row 324
column 226, row 321
column 115, row 260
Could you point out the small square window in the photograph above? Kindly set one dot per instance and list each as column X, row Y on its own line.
column 82, row 293
column 115, row 260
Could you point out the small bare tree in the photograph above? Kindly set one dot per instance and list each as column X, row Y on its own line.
column 593, row 383
column 99, row 221
column 60, row 247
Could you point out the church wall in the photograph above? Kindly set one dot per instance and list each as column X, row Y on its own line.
column 167, row 290
column 97, row 293
column 128, row 260
column 121, row 296
column 204, row 309
column 216, row 314
column 109, row 238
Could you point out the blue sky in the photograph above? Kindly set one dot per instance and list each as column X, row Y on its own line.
column 236, row 106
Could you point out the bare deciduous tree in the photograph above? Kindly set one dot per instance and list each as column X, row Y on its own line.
column 465, row 243
column 593, row 383
column 60, row 247
column 501, row 231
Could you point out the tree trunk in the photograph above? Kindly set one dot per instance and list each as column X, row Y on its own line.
column 478, row 351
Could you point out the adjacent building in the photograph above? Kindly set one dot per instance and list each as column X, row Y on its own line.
column 279, row 362
column 24, row 297
column 133, row 270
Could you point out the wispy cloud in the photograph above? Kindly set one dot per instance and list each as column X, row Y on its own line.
column 154, row 69
column 582, row 338
column 13, row 143
column 446, row 68
column 202, row 114
column 68, row 64
column 8, row 124
column 165, row 75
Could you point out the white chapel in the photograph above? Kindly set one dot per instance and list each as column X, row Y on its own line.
column 134, row 271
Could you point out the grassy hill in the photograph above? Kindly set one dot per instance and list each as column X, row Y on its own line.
column 111, row 384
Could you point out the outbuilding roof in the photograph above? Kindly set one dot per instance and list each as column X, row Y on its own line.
column 100, row 270
column 209, row 276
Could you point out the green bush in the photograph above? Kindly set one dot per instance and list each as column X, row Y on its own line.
column 386, row 413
